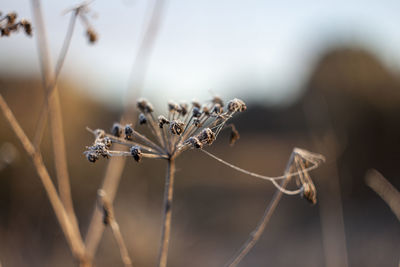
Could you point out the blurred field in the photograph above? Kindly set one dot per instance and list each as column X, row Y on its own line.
column 349, row 111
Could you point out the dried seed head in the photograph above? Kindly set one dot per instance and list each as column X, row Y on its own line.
column 183, row 109
column 197, row 122
column 196, row 112
column 162, row 121
column 196, row 104
column 217, row 109
column 176, row 127
column 116, row 130
column 136, row 153
column 128, row 132
column 11, row 17
column 206, row 136
column 218, row 100
column 144, row 106
column 195, row 142
column 206, row 110
column 27, row 27
column 142, row 119
column 236, row 105
column 92, row 35
column 309, row 193
column 172, row 106
column 92, row 156
column 5, row 31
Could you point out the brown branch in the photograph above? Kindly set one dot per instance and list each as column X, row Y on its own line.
column 109, row 219
column 73, row 237
column 56, row 124
column 257, row 232
column 167, row 213
column 385, row 190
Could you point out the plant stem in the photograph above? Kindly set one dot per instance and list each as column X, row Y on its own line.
column 257, row 232
column 73, row 237
column 51, row 87
column 166, row 226
column 56, row 124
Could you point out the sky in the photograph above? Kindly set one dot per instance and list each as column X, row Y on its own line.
column 257, row 50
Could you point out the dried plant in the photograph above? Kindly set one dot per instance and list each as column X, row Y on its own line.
column 195, row 127
column 10, row 25
column 185, row 127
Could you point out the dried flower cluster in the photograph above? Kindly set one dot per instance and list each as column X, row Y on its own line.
column 183, row 128
column 9, row 24
column 82, row 11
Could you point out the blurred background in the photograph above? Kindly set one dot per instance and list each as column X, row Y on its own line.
column 323, row 76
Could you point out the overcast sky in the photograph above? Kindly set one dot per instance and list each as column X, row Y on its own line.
column 252, row 49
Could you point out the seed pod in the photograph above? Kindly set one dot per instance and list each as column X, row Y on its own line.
column 206, row 136
column 162, row 121
column 195, row 142
column 92, row 156
column 116, row 130
column 136, row 153
column 144, row 106
column 142, row 119
column 92, row 35
column 172, row 107
column 218, row 100
column 183, row 109
column 196, row 104
column 196, row 112
column 217, row 109
column 27, row 26
column 236, row 105
column 128, row 132
column 206, row 110
column 309, row 193
column 11, row 17
column 176, row 127
column 197, row 122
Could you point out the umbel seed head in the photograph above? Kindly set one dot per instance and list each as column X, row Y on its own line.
column 181, row 129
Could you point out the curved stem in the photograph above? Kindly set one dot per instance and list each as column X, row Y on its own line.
column 166, row 226
column 257, row 232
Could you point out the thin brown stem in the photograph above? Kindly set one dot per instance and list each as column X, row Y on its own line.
column 41, row 125
column 167, row 213
column 56, row 124
column 73, row 237
column 258, row 231
column 385, row 190
column 116, row 165
column 109, row 219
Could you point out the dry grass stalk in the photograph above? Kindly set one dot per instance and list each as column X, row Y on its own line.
column 167, row 213
column 56, row 124
column 385, row 190
column 109, row 219
column 72, row 235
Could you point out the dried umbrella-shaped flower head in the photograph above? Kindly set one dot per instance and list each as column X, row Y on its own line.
column 9, row 24
column 184, row 127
